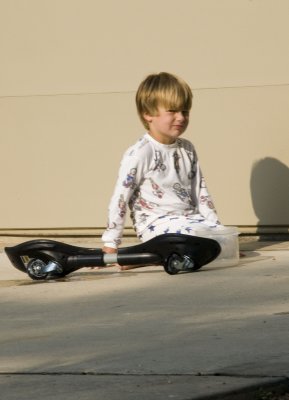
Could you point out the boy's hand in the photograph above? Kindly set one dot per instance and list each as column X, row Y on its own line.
column 109, row 250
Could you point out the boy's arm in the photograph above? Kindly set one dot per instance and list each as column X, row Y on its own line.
column 203, row 198
column 206, row 205
column 127, row 182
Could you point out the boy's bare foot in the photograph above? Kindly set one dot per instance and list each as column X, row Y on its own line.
column 128, row 267
column 120, row 267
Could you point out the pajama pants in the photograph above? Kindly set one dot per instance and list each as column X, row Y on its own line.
column 177, row 224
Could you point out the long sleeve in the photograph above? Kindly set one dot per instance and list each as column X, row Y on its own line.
column 129, row 177
column 205, row 202
column 206, row 205
column 200, row 194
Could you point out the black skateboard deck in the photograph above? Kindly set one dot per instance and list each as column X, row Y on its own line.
column 44, row 259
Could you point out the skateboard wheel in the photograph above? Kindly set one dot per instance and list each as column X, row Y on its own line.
column 172, row 264
column 176, row 263
column 35, row 269
column 188, row 264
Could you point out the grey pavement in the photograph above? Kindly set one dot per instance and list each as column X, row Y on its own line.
column 221, row 332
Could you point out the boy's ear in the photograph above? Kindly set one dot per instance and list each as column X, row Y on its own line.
column 147, row 117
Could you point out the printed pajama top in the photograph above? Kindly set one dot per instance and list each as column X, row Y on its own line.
column 157, row 180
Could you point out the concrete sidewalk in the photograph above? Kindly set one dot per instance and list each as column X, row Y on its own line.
column 143, row 334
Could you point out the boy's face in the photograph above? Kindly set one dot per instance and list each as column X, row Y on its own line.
column 167, row 125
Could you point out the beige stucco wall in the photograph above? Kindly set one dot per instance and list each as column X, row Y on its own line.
column 68, row 75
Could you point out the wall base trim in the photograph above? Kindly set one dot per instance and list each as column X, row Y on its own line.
column 244, row 230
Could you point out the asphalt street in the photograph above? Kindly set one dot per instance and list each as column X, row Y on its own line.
column 143, row 334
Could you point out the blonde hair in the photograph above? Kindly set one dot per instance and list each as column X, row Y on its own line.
column 162, row 90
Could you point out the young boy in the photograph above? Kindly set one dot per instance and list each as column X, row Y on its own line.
column 160, row 179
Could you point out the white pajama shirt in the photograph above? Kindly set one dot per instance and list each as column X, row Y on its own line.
column 164, row 189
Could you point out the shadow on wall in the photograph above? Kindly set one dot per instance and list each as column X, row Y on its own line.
column 270, row 193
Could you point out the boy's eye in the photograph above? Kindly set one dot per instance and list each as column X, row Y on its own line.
column 184, row 112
